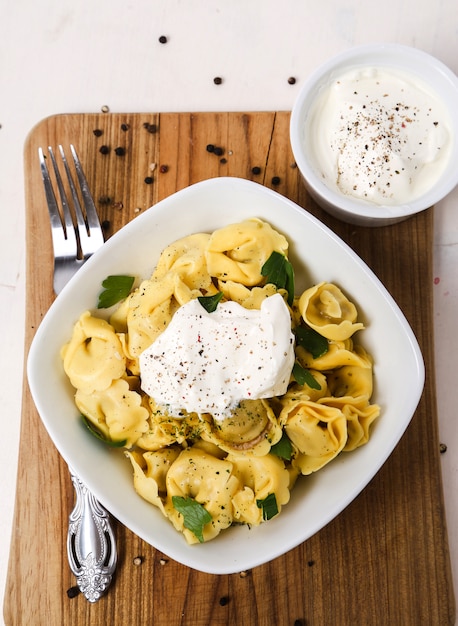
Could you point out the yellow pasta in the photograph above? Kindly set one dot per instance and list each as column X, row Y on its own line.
column 236, row 468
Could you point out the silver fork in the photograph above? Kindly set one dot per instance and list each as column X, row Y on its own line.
column 76, row 235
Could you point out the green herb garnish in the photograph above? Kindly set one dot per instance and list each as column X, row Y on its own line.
column 311, row 341
column 100, row 435
column 269, row 506
column 210, row 302
column 283, row 448
column 195, row 515
column 116, row 288
column 303, row 376
column 279, row 272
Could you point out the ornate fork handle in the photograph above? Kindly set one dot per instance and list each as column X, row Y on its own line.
column 91, row 544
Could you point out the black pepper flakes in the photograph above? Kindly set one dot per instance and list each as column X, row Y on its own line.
column 163, row 39
column 149, row 180
column 98, row 132
column 104, row 149
column 218, row 80
column 72, row 592
column 119, row 151
column 311, row 563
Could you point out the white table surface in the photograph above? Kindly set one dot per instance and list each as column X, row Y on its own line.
column 61, row 56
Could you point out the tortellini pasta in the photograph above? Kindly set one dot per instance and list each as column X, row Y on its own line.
column 229, row 467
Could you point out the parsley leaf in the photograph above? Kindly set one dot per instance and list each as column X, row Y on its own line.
column 116, row 288
column 279, row 272
column 269, row 506
column 101, row 436
column 210, row 302
column 303, row 376
column 195, row 515
column 283, row 448
column 312, row 341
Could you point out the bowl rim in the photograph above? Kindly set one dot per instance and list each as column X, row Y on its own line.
column 354, row 56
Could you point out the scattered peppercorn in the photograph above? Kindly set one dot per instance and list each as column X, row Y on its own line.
column 125, row 127
column 106, row 225
column 151, row 128
column 291, row 80
column 210, row 147
column 105, row 108
column 311, row 563
column 223, row 601
column 149, row 180
column 138, row 560
column 119, row 151
column 104, row 200
column 217, row 80
column 164, row 168
column 255, row 170
column 73, row 592
column 442, row 448
column 97, row 132
column 162, row 39
column 223, row 161
column 104, row 149
column 243, row 574
column 276, row 180
column 218, row 151
column 299, row 622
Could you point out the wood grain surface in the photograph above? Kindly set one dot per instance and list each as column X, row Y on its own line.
column 382, row 561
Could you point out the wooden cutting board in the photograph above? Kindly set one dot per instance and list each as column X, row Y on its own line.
column 384, row 560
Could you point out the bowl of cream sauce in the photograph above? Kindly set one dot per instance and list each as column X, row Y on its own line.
column 374, row 133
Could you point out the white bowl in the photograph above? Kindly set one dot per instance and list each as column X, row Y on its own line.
column 422, row 67
column 318, row 255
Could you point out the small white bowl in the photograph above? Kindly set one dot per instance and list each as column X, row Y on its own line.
column 421, row 67
column 317, row 255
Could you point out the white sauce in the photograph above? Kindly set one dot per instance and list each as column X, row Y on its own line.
column 379, row 135
column 207, row 362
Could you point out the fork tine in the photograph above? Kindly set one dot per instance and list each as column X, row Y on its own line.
column 63, row 234
column 93, row 223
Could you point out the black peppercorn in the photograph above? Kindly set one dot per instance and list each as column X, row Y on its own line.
column 255, row 170
column 151, row 128
column 218, row 151
column 148, row 180
column 73, row 592
column 125, row 127
column 120, row 151
column 104, row 149
column 97, row 132
column 164, row 168
column 291, row 80
column 223, row 601
column 217, row 80
column 210, row 147
column 276, row 180
column 162, row 39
